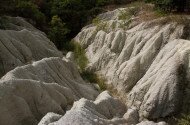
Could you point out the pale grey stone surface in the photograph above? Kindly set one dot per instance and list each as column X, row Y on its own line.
column 50, row 85
column 49, row 118
column 85, row 112
column 132, row 116
column 152, row 123
column 148, row 63
column 21, row 43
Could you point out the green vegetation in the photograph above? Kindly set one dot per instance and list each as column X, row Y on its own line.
column 80, row 57
column 70, row 15
column 94, row 78
column 82, row 61
column 100, row 24
column 127, row 14
column 58, row 31
column 28, row 9
column 171, row 5
column 184, row 120
column 3, row 22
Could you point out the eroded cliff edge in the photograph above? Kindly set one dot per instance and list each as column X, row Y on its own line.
column 146, row 62
column 41, row 86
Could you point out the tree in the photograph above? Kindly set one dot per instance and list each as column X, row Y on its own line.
column 170, row 5
column 58, row 31
column 28, row 9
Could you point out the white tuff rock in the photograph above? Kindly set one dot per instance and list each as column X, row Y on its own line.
column 85, row 112
column 50, row 85
column 21, row 43
column 148, row 63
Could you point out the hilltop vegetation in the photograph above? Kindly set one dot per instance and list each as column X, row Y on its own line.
column 171, row 5
column 63, row 19
column 60, row 19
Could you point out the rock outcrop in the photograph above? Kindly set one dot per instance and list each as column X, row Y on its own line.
column 49, row 85
column 146, row 62
column 34, row 85
column 21, row 43
column 99, row 112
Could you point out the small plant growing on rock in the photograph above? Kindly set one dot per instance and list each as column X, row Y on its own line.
column 100, row 24
column 94, row 78
column 96, row 21
column 127, row 14
column 82, row 61
column 80, row 56
column 124, row 15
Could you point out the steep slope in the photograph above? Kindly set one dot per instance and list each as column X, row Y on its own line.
column 35, row 85
column 100, row 112
column 146, row 62
column 48, row 85
column 21, row 43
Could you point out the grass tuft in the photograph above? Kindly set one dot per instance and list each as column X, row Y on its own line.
column 184, row 120
column 82, row 62
column 80, row 57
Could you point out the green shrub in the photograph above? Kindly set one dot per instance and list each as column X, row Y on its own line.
column 102, row 2
column 74, row 13
column 80, row 57
column 127, row 14
column 94, row 78
column 58, row 32
column 124, row 15
column 184, row 120
column 28, row 9
column 170, row 5
column 100, row 24
column 82, row 61
column 3, row 23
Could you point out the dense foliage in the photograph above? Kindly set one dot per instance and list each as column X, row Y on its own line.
column 171, row 5
column 70, row 15
column 58, row 31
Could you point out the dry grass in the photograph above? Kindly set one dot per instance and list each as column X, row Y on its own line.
column 116, row 94
column 147, row 12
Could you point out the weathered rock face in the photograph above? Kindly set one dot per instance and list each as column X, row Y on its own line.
column 21, row 43
column 33, row 88
column 151, row 123
column 99, row 112
column 49, row 85
column 147, row 63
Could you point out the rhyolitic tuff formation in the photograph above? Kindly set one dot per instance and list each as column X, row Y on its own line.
column 41, row 86
column 21, row 43
column 146, row 62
